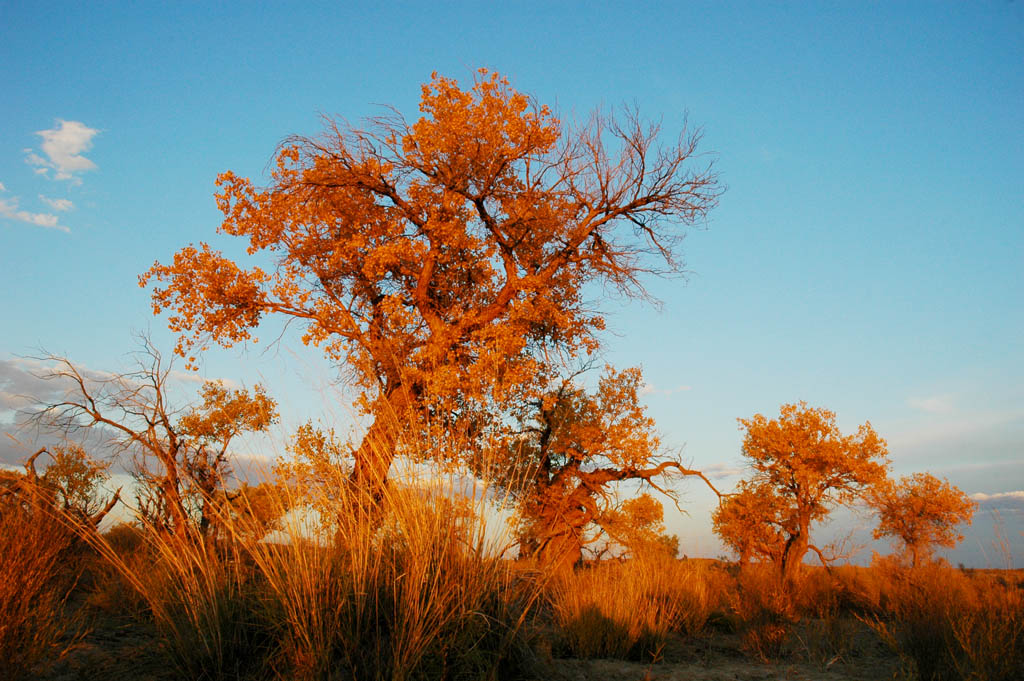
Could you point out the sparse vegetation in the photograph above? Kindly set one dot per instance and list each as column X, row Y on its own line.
column 442, row 265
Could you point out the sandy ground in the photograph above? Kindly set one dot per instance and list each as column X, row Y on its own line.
column 116, row 652
column 719, row 657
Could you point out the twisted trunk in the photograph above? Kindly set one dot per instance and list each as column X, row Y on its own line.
column 794, row 551
column 376, row 452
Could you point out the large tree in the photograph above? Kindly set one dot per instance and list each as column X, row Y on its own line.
column 442, row 262
column 803, row 467
column 921, row 511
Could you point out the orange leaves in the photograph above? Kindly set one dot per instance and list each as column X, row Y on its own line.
column 921, row 511
column 750, row 522
column 471, row 139
column 803, row 466
column 442, row 258
column 225, row 413
column 209, row 294
column 804, row 455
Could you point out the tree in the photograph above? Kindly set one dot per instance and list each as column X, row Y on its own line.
column 803, row 467
column 749, row 522
column 180, row 456
column 70, row 484
column 442, row 262
column 921, row 511
column 637, row 528
column 571, row 448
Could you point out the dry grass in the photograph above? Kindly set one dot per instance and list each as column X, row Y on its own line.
column 414, row 590
column 946, row 624
column 628, row 610
column 417, row 590
column 37, row 573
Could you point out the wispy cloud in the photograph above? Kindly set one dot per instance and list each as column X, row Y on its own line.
column 192, row 377
column 62, row 205
column 9, row 209
column 935, row 404
column 2, row 187
column 63, row 146
column 651, row 389
column 721, row 471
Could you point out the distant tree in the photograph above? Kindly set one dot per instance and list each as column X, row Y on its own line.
column 180, row 456
column 750, row 523
column 921, row 512
column 442, row 263
column 571, row 448
column 70, row 484
column 256, row 510
column 637, row 528
column 803, row 467
column 317, row 467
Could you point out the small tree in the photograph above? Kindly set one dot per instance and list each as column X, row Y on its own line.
column 637, row 528
column 180, row 457
column 572, row 447
column 442, row 262
column 806, row 467
column 70, row 484
column 749, row 522
column 921, row 511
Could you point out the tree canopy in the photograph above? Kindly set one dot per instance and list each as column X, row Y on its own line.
column 921, row 511
column 572, row 448
column 749, row 522
column 802, row 467
column 442, row 262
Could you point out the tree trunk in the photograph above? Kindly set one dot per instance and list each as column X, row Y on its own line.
column 376, row 452
column 793, row 554
column 561, row 553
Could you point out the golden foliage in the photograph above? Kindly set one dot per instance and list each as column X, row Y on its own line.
column 576, row 446
column 921, row 511
column 749, row 522
column 441, row 262
column 802, row 467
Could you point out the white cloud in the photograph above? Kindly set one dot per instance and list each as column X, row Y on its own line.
column 9, row 209
column 1000, row 500
column 57, row 204
column 2, row 187
column 193, row 377
column 650, row 389
column 63, row 146
column 936, row 404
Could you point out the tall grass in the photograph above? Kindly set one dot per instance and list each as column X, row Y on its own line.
column 414, row 590
column 628, row 610
column 37, row 573
column 948, row 625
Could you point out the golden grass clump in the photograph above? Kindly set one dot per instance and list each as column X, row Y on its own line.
column 945, row 624
column 413, row 588
column 36, row 578
column 628, row 610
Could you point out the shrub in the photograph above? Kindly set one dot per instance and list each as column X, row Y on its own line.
column 763, row 610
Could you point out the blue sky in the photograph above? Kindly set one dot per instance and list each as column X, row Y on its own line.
column 865, row 257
